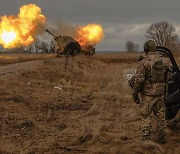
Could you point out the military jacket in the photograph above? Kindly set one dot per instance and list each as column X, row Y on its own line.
column 142, row 83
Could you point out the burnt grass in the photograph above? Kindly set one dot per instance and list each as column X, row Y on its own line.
column 86, row 108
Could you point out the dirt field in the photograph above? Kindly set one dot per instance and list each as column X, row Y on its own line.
column 7, row 58
column 86, row 108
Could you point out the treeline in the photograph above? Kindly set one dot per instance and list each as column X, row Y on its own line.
column 39, row 46
column 163, row 33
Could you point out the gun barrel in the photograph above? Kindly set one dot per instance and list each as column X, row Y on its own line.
column 50, row 33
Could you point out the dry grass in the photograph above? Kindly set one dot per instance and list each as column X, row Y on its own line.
column 86, row 108
column 6, row 59
column 118, row 58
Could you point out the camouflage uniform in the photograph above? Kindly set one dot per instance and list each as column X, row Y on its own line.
column 152, row 95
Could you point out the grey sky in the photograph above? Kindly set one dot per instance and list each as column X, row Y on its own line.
column 122, row 20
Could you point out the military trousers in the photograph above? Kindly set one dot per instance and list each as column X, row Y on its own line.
column 152, row 106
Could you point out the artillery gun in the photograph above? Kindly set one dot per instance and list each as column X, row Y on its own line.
column 88, row 49
column 69, row 46
column 66, row 45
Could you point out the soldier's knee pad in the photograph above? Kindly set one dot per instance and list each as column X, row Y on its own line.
column 144, row 110
column 144, row 113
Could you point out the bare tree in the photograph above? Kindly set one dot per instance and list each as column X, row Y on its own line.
column 130, row 46
column 164, row 34
column 37, row 46
column 44, row 47
column 136, row 47
column 41, row 46
column 48, row 46
column 51, row 46
column 1, row 48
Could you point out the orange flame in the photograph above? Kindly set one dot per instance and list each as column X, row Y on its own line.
column 20, row 31
column 90, row 34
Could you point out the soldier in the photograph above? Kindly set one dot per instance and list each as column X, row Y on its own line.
column 150, row 84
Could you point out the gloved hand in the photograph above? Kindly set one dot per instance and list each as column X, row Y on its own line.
column 136, row 98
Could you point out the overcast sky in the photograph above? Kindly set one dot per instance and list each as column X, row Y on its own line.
column 122, row 20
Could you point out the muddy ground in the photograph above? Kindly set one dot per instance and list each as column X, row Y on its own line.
column 86, row 108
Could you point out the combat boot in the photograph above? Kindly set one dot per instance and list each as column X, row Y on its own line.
column 161, row 140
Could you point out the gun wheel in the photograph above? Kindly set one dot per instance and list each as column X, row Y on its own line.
column 72, row 49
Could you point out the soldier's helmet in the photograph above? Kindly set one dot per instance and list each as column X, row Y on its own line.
column 150, row 46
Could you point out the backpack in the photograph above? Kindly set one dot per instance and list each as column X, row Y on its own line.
column 157, row 72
